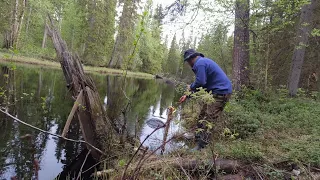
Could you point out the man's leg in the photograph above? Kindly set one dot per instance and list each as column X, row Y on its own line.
column 210, row 114
column 201, row 137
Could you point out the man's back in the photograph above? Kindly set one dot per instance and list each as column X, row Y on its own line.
column 210, row 76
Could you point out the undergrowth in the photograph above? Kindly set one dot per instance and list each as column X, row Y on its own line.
column 265, row 127
column 272, row 127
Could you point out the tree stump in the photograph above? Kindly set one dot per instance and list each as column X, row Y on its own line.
column 95, row 126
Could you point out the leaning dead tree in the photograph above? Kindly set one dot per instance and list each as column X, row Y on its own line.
column 95, row 126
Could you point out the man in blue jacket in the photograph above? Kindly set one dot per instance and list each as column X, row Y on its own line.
column 212, row 78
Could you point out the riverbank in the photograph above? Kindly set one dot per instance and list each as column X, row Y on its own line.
column 268, row 133
column 7, row 58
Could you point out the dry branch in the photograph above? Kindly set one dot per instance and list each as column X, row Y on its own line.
column 47, row 132
column 73, row 110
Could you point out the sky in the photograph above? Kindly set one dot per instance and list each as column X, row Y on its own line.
column 201, row 20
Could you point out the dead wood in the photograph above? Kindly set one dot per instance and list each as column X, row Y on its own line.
column 96, row 127
column 182, row 163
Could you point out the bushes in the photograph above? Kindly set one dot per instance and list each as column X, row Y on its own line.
column 256, row 110
column 269, row 126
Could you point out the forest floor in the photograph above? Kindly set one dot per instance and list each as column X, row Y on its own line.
column 8, row 58
column 270, row 132
column 266, row 133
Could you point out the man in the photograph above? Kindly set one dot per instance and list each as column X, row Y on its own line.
column 212, row 78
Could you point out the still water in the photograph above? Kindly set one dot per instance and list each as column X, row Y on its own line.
column 39, row 97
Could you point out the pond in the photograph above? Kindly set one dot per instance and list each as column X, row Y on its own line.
column 39, row 97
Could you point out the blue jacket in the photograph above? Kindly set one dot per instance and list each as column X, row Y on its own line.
column 210, row 76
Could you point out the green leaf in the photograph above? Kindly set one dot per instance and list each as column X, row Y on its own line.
column 122, row 162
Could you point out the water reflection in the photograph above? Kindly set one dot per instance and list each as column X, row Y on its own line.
column 39, row 97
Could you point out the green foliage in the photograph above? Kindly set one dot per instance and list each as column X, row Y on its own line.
column 273, row 173
column 315, row 32
column 215, row 45
column 192, row 108
column 99, row 27
column 260, row 126
column 171, row 65
column 121, row 163
column 151, row 53
column 242, row 150
column 256, row 116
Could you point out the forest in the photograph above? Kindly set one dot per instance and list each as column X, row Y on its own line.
column 269, row 49
column 276, row 41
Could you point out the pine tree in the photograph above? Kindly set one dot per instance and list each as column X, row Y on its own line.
column 240, row 70
column 100, row 31
column 172, row 63
column 124, row 41
column 152, row 51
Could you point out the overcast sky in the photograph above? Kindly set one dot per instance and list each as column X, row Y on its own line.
column 201, row 22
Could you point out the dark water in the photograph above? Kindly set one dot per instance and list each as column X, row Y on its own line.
column 39, row 97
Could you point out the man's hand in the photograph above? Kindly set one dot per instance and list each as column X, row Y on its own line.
column 188, row 87
column 183, row 98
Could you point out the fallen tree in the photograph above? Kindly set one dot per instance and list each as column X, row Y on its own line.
column 88, row 110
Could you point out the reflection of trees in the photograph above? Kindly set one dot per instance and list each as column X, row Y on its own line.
column 32, row 86
column 167, row 95
column 29, row 85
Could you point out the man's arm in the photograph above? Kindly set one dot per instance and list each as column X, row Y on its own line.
column 201, row 78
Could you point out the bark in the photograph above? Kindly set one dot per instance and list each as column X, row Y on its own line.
column 186, row 163
column 28, row 20
column 44, row 40
column 240, row 72
column 302, row 40
column 95, row 126
column 11, row 36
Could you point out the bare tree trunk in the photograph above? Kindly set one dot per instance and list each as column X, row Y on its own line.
column 44, row 40
column 21, row 17
column 240, row 72
column 303, row 32
column 72, row 39
column 28, row 21
column 95, row 126
column 11, row 36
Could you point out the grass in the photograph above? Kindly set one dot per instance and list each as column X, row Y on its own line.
column 269, row 128
column 7, row 58
column 273, row 128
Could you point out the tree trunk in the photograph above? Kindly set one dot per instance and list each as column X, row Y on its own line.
column 95, row 126
column 302, row 38
column 241, row 45
column 44, row 40
column 28, row 20
column 11, row 36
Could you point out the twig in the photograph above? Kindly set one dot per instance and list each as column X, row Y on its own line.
column 56, row 135
column 140, row 160
column 184, row 171
column 73, row 110
column 85, row 159
column 180, row 135
column 127, row 165
column 100, row 163
column 257, row 173
column 166, row 130
column 126, row 95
